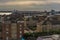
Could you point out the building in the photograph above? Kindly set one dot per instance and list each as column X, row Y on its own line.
column 14, row 26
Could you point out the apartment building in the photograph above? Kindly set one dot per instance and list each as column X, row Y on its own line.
column 10, row 31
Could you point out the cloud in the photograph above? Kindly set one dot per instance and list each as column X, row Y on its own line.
column 27, row 3
column 30, row 4
column 24, row 3
column 47, row 7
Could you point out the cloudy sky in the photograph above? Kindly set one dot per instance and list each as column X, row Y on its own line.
column 29, row 4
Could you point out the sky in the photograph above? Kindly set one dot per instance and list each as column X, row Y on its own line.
column 27, row 5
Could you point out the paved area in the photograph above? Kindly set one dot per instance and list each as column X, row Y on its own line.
column 52, row 37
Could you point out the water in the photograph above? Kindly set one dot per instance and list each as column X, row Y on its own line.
column 8, row 13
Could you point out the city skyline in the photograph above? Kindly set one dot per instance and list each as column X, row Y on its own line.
column 36, row 5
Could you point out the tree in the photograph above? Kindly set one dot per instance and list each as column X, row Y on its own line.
column 32, row 27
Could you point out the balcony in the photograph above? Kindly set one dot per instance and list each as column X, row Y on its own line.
column 0, row 30
column 0, row 38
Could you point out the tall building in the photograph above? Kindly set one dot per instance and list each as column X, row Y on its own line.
column 10, row 31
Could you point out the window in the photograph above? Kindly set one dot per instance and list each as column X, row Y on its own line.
column 20, row 25
column 6, row 38
column 20, row 32
column 20, row 36
column 20, row 28
column 6, row 29
column 15, row 35
column 7, row 32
